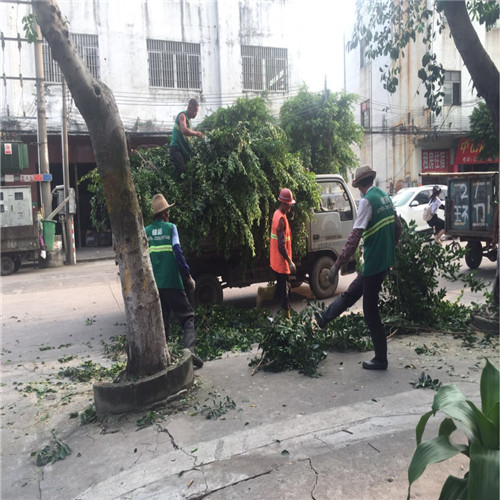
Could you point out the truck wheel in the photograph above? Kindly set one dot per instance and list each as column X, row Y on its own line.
column 8, row 265
column 319, row 282
column 17, row 263
column 208, row 291
column 474, row 254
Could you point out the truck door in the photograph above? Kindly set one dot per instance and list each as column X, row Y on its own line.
column 335, row 218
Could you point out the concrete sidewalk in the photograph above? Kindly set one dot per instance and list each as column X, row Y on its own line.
column 348, row 434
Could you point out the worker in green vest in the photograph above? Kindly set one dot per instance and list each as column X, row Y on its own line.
column 180, row 149
column 380, row 228
column 171, row 273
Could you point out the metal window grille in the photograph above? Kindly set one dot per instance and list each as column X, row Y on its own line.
column 264, row 68
column 452, row 88
column 174, row 64
column 88, row 48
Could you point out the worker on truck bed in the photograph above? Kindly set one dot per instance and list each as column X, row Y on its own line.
column 180, row 150
column 281, row 250
column 171, row 273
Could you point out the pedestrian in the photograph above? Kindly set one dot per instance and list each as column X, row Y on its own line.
column 180, row 149
column 435, row 222
column 171, row 273
column 380, row 228
column 281, row 250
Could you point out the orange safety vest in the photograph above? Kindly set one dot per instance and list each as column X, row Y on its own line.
column 278, row 263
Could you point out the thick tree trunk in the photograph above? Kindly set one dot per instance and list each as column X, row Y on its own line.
column 482, row 69
column 146, row 347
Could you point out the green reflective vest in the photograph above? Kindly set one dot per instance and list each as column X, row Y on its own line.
column 378, row 237
column 161, row 253
column 179, row 139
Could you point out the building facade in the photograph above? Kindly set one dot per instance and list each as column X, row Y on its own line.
column 403, row 137
column 154, row 55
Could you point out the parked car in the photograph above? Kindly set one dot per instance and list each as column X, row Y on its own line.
column 410, row 203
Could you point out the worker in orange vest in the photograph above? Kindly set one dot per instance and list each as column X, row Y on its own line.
column 281, row 250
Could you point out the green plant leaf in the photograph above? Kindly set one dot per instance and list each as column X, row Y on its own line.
column 483, row 473
column 421, row 425
column 447, row 427
column 431, row 452
column 490, row 383
column 454, row 488
column 450, row 400
column 488, row 430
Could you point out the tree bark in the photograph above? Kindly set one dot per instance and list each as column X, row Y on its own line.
column 482, row 69
column 146, row 347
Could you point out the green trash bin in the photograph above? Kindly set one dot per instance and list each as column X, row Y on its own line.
column 49, row 232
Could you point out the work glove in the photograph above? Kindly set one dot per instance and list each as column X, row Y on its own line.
column 189, row 283
column 293, row 269
column 334, row 270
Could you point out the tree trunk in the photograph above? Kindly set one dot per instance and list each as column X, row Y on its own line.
column 482, row 69
column 146, row 347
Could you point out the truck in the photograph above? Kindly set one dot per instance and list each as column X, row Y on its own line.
column 328, row 229
column 20, row 240
column 472, row 213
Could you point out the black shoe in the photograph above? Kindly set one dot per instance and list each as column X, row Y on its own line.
column 320, row 320
column 375, row 364
column 198, row 362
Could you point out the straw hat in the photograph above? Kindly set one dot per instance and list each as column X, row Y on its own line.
column 363, row 173
column 160, row 204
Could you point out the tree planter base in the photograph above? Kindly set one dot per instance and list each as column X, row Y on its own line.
column 124, row 397
column 486, row 324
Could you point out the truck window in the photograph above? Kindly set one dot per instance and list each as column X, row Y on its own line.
column 334, row 198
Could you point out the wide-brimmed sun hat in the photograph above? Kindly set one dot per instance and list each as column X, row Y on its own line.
column 160, row 204
column 363, row 173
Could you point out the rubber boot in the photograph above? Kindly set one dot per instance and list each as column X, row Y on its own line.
column 265, row 293
column 335, row 309
column 285, row 313
column 379, row 362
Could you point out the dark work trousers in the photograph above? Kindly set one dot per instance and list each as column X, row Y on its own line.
column 178, row 161
column 283, row 290
column 176, row 301
column 369, row 287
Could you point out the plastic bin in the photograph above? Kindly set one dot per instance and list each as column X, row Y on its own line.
column 49, row 232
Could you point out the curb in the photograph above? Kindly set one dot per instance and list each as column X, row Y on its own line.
column 125, row 397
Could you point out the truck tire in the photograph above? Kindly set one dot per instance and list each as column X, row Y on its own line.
column 319, row 282
column 8, row 265
column 208, row 291
column 17, row 263
column 474, row 254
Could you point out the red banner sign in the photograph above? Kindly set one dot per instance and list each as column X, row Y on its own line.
column 467, row 153
column 435, row 160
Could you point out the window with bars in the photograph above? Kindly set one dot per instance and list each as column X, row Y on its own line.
column 264, row 68
column 88, row 48
column 452, row 88
column 174, row 65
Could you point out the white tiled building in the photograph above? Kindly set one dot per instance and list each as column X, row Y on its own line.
column 403, row 138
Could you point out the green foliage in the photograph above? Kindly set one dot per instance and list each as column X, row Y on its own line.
column 88, row 416
column 220, row 329
column 481, row 427
column 29, row 26
column 89, row 370
column 56, row 450
column 346, row 333
column 321, row 128
column 425, row 380
column 228, row 194
column 148, row 419
column 410, row 293
column 214, row 407
column 482, row 131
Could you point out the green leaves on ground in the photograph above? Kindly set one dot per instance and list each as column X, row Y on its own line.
column 89, row 370
column 56, row 450
column 214, row 407
column 425, row 380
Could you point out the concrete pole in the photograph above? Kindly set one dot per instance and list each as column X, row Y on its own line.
column 43, row 147
column 69, row 251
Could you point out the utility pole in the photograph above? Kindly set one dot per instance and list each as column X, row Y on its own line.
column 43, row 147
column 69, row 227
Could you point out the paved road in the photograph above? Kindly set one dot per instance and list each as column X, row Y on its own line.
column 347, row 434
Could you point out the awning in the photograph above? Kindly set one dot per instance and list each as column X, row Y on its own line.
column 467, row 153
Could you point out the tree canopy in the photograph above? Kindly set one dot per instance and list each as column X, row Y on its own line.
column 386, row 28
column 321, row 128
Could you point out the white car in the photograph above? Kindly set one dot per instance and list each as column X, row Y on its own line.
column 410, row 203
